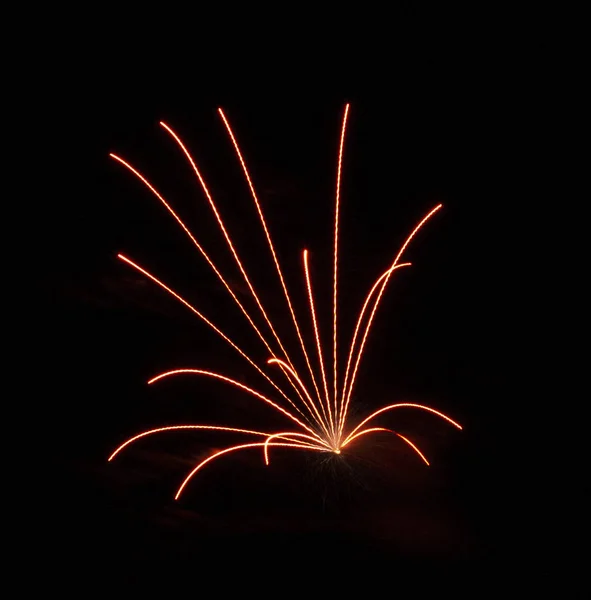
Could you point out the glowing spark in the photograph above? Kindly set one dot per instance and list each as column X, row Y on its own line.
column 336, row 243
column 363, row 432
column 413, row 447
column 328, row 429
column 401, row 405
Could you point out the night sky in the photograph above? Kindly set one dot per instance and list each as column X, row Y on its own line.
column 444, row 335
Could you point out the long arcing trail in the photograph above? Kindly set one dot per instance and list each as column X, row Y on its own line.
column 381, row 291
column 336, row 245
column 271, row 247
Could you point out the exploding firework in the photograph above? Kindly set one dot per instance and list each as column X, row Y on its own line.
column 317, row 410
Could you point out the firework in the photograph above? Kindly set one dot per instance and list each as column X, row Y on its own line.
column 317, row 410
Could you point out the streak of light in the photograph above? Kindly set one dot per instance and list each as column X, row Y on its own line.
column 271, row 247
column 336, row 243
column 363, row 432
column 413, row 447
column 400, row 405
column 234, row 449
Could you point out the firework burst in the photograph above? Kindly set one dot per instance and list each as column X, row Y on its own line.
column 317, row 408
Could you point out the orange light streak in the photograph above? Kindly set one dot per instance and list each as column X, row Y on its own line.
column 180, row 427
column 384, row 284
column 233, row 449
column 363, row 432
column 413, row 447
column 285, row 434
column 336, row 243
column 320, row 359
column 357, row 326
column 271, row 247
column 227, row 237
column 312, row 407
column 241, row 386
column 206, row 320
column 402, row 404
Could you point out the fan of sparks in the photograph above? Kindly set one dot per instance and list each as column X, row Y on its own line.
column 316, row 412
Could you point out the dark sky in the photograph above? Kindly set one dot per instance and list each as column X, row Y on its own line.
column 444, row 336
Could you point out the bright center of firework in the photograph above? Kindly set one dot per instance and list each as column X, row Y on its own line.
column 337, row 451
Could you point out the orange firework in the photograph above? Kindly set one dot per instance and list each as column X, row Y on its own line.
column 318, row 410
